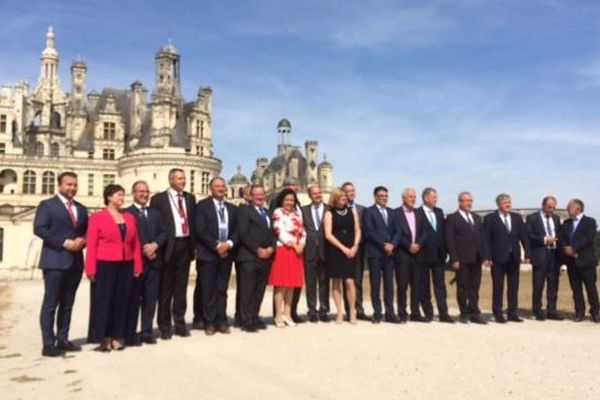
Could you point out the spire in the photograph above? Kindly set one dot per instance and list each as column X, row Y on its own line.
column 50, row 50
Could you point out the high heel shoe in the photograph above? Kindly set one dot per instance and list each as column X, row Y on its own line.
column 279, row 323
column 353, row 320
column 340, row 319
column 288, row 321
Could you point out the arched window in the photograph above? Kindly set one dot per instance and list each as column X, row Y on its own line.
column 29, row 182
column 39, row 149
column 55, row 120
column 48, row 182
column 54, row 150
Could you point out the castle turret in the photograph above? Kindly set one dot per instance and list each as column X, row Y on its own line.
column 326, row 175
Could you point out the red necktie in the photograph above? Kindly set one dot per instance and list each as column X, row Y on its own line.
column 70, row 211
column 185, row 229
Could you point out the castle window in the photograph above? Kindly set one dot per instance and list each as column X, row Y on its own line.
column 29, row 182
column 91, row 155
column 90, row 188
column 108, row 154
column 3, row 123
column 107, row 179
column 188, row 150
column 197, row 127
column 201, row 129
column 1, row 244
column 39, row 149
column 2, row 149
column 48, row 182
column 54, row 150
column 192, row 180
column 204, row 183
column 110, row 130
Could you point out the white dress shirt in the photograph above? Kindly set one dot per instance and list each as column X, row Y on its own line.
column 174, row 201
column 467, row 216
column 65, row 201
column 224, row 224
column 317, row 210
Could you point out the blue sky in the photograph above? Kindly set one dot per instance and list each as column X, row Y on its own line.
column 487, row 96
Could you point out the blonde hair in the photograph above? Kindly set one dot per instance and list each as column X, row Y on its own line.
column 335, row 196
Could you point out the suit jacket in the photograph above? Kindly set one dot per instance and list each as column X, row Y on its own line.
column 150, row 229
column 376, row 232
column 53, row 225
column 405, row 235
column 162, row 202
column 465, row 243
column 253, row 233
column 315, row 235
column 582, row 241
column 206, row 226
column 500, row 242
column 104, row 242
column 536, row 233
column 434, row 250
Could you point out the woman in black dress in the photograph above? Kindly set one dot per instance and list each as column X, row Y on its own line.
column 342, row 231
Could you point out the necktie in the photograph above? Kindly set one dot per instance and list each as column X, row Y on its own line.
column 221, row 211
column 506, row 223
column 384, row 215
column 317, row 217
column 548, row 226
column 470, row 219
column 263, row 214
column 70, row 211
column 143, row 212
column 432, row 220
column 185, row 229
column 573, row 225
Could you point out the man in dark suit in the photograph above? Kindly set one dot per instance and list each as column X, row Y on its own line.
column 380, row 243
column 255, row 255
column 466, row 244
column 543, row 230
column 505, row 234
column 177, row 210
column 216, row 236
column 61, row 222
column 152, row 234
column 361, row 256
column 412, row 236
column 236, row 319
column 314, row 257
column 433, row 256
column 579, row 232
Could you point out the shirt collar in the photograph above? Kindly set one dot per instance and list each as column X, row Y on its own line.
column 216, row 202
column 64, row 199
column 139, row 206
column 578, row 217
column 427, row 209
column 174, row 192
column 406, row 209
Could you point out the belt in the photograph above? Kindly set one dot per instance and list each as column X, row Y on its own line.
column 181, row 239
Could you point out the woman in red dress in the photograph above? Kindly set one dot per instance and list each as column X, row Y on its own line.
column 287, row 271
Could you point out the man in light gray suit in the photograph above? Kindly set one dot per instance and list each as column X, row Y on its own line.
column 314, row 257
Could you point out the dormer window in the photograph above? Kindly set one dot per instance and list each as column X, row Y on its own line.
column 110, row 131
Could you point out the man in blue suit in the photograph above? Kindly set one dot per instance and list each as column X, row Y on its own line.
column 61, row 222
column 505, row 233
column 152, row 234
column 380, row 243
column 579, row 232
column 216, row 236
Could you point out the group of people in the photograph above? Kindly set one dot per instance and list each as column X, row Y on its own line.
column 138, row 257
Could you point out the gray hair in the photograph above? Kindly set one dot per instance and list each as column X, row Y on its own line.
column 547, row 199
column 427, row 191
column 465, row 193
column 407, row 190
column 173, row 171
column 578, row 203
column 140, row 182
column 501, row 197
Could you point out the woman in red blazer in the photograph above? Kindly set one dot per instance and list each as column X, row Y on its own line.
column 113, row 258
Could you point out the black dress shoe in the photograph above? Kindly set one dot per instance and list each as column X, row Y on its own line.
column 52, row 351
column 250, row 328
column 579, row 318
column 198, row 325
column 313, row 318
column 65, row 345
column 554, row 316
column 447, row 319
column 183, row 332
column 403, row 319
column 499, row 318
column 540, row 317
column 376, row 319
column 210, row 330
column 417, row 318
column 595, row 318
column 392, row 319
column 464, row 319
column 260, row 325
column 298, row 319
column 362, row 316
column 324, row 318
column 428, row 318
column 102, row 348
column 166, row 335
column 514, row 318
column 477, row 319
column 148, row 340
